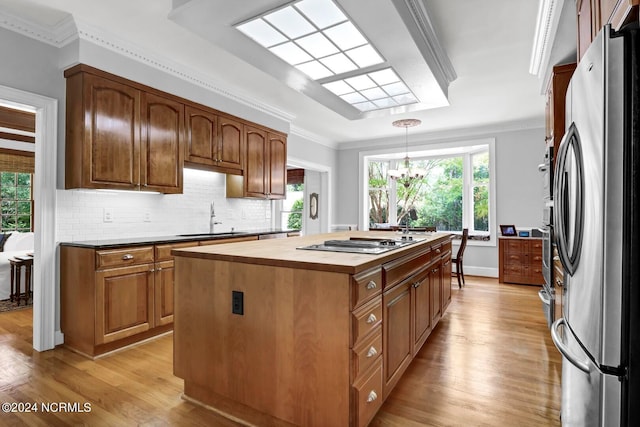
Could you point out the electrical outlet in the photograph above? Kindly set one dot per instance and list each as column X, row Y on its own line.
column 244, row 214
column 107, row 215
column 237, row 302
column 147, row 216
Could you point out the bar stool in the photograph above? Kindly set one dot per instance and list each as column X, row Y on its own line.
column 16, row 275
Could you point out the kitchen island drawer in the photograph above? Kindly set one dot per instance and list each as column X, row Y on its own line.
column 366, row 353
column 365, row 319
column 368, row 395
column 365, row 286
column 124, row 257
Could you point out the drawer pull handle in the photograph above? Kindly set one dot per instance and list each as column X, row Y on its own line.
column 371, row 285
column 372, row 318
column 127, row 257
column 372, row 396
column 372, row 352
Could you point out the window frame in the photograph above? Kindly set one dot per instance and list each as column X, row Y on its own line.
column 16, row 201
column 459, row 148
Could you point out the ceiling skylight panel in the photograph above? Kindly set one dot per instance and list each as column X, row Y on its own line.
column 374, row 93
column 317, row 45
column 365, row 56
column 291, row 53
column 346, row 36
column 396, row 88
column 366, row 106
column 290, row 22
column 360, row 82
column 385, row 103
column 353, row 98
column 262, row 33
column 314, row 69
column 339, row 63
column 323, row 13
column 384, row 77
column 338, row 87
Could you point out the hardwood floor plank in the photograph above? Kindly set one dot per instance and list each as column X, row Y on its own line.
column 489, row 362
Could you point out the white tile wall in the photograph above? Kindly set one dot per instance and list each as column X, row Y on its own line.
column 81, row 213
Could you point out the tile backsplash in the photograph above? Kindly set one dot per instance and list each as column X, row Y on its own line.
column 89, row 214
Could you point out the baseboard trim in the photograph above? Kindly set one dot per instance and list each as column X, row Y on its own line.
column 479, row 271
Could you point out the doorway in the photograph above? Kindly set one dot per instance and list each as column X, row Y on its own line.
column 45, row 277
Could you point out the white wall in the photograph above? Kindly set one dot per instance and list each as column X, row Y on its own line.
column 518, row 183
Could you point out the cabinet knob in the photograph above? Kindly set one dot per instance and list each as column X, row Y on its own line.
column 372, row 318
column 372, row 396
column 127, row 257
column 438, row 250
column 159, row 269
column 371, row 285
column 372, row 352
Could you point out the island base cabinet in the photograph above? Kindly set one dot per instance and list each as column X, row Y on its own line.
column 397, row 331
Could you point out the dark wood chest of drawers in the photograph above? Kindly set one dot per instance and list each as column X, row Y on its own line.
column 520, row 260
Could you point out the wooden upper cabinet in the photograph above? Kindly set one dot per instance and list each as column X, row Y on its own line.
column 277, row 177
column 592, row 15
column 556, row 101
column 265, row 166
column 213, row 142
column 121, row 136
column 103, row 134
column 202, row 136
column 161, row 149
column 231, row 143
column 256, row 170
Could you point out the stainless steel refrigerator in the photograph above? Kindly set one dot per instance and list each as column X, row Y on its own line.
column 597, row 232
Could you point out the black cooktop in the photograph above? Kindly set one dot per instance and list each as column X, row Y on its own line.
column 363, row 245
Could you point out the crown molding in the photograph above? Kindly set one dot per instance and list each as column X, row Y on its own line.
column 430, row 47
column 313, row 137
column 549, row 12
column 70, row 29
column 58, row 35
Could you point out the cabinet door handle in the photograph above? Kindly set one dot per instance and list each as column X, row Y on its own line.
column 372, row 318
column 371, row 285
column 152, row 270
column 158, row 269
column 372, row 352
column 127, row 257
column 372, row 396
column 417, row 284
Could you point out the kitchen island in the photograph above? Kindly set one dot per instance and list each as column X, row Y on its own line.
column 272, row 334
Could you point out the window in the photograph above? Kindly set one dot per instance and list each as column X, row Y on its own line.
column 455, row 192
column 16, row 201
column 291, row 213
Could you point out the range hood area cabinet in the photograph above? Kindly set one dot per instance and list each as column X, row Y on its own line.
column 214, row 142
column 265, row 171
column 121, row 135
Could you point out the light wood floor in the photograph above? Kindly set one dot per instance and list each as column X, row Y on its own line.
column 490, row 362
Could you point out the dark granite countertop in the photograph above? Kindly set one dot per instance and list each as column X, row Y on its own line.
column 158, row 240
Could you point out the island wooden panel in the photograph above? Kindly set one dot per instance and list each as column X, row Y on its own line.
column 318, row 342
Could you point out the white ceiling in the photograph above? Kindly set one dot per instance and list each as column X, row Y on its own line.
column 488, row 43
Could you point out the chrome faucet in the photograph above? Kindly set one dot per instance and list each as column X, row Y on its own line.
column 212, row 220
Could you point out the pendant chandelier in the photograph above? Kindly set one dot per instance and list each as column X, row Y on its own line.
column 405, row 174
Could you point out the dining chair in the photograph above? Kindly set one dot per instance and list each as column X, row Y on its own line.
column 458, row 258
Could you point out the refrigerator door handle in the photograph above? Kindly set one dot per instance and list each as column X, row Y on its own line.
column 544, row 297
column 584, row 367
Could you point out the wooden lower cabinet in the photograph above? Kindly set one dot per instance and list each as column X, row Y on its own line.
column 398, row 342
column 115, row 297
column 520, row 260
column 446, row 281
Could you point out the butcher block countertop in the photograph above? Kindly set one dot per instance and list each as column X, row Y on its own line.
column 285, row 252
